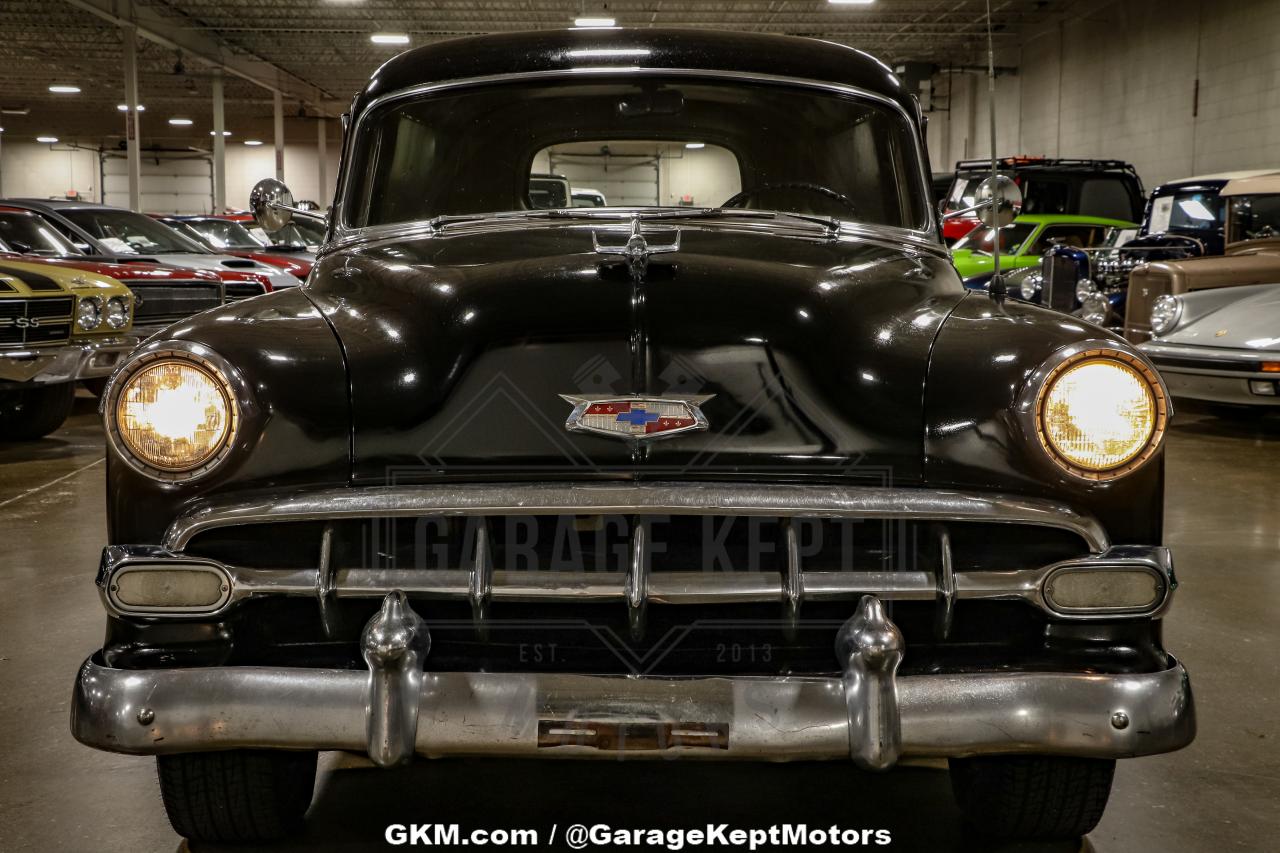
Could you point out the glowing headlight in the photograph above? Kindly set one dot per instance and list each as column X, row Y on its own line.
column 1165, row 313
column 117, row 312
column 1101, row 414
column 89, row 313
column 175, row 415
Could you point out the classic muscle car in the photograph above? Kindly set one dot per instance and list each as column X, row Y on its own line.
column 1023, row 242
column 219, row 234
column 760, row 480
column 57, row 325
column 1219, row 345
column 122, row 235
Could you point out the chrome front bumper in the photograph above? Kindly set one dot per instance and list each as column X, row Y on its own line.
column 65, row 362
column 398, row 708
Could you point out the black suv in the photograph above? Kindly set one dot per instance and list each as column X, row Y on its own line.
column 1109, row 188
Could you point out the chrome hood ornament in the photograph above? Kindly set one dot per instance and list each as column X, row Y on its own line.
column 636, row 418
column 637, row 249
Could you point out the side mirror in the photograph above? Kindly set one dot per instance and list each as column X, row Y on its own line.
column 271, row 204
column 999, row 201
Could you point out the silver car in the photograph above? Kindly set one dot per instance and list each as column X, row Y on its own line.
column 1220, row 345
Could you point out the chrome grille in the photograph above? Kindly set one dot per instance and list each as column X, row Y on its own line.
column 173, row 300
column 244, row 290
column 27, row 322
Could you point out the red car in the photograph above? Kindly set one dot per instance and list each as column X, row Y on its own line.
column 227, row 235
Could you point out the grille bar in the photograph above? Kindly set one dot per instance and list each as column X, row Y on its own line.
column 171, row 301
column 24, row 322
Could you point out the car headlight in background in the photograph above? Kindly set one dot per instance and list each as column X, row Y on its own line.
column 1031, row 284
column 117, row 312
column 1095, row 309
column 1101, row 413
column 174, row 415
column 89, row 313
column 1085, row 287
column 1165, row 313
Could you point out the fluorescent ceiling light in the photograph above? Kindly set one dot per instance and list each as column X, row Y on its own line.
column 224, row 133
column 180, row 122
column 851, row 2
column 47, row 139
column 124, row 108
column 594, row 22
column 389, row 38
column 253, row 142
column 695, row 145
column 65, row 90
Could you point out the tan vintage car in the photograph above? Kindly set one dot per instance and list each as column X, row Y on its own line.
column 1252, row 255
column 57, row 325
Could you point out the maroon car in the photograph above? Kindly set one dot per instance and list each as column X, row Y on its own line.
column 229, row 237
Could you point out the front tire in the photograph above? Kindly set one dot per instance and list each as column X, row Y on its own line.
column 1032, row 796
column 34, row 412
column 237, row 796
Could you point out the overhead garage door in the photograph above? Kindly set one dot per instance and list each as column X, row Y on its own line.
column 172, row 181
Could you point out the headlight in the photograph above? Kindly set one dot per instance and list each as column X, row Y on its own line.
column 1031, row 284
column 174, row 415
column 1095, row 309
column 89, row 313
column 1165, row 313
column 1084, row 288
column 1101, row 414
column 118, row 312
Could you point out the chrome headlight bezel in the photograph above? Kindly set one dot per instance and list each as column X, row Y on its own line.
column 1166, row 313
column 1095, row 308
column 1038, row 386
column 198, row 358
column 93, row 302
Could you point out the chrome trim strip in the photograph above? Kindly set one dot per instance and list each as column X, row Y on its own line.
column 343, row 234
column 755, row 499
column 637, row 588
column 787, row 718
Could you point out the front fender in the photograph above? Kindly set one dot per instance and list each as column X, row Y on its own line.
column 983, row 359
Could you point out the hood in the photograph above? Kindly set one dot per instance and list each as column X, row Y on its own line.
column 279, row 278
column 1247, row 320
column 811, row 351
column 135, row 272
column 298, row 266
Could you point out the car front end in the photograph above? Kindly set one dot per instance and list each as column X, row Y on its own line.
column 757, row 480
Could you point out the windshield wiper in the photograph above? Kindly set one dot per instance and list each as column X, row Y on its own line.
column 829, row 224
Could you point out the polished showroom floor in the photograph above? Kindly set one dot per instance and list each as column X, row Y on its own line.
column 1220, row 794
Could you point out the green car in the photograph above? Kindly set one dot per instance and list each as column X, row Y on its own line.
column 1025, row 241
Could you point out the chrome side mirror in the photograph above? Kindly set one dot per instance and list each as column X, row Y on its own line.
column 271, row 204
column 999, row 201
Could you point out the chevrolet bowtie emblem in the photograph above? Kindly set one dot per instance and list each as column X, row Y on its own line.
column 636, row 250
column 636, row 418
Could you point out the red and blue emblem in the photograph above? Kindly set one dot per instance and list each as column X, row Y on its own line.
column 637, row 418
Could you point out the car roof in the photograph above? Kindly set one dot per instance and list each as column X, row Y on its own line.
column 1071, row 219
column 1221, row 176
column 1267, row 183
column 569, row 50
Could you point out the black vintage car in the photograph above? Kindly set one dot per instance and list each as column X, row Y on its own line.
column 745, row 464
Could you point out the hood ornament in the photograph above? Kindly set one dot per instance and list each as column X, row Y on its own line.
column 636, row 418
column 637, row 249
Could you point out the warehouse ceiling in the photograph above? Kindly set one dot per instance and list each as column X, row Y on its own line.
column 319, row 51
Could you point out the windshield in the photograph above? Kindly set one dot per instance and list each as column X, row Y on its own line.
column 1011, row 239
column 129, row 233
column 222, row 234
column 642, row 144
column 1192, row 211
column 27, row 234
column 1254, row 217
column 298, row 233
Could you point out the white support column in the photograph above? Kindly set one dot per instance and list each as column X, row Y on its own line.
column 322, row 161
column 278, row 102
column 219, row 147
column 133, row 135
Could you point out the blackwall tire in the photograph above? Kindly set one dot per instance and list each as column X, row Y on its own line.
column 1032, row 796
column 237, row 796
column 31, row 413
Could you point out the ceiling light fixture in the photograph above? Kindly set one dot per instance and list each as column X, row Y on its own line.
column 48, row 140
column 124, row 108
column 180, row 122
column 594, row 22
column 224, row 133
column 253, row 142
column 65, row 90
column 389, row 38
column 695, row 145
column 851, row 2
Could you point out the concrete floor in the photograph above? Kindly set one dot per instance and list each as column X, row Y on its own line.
column 1220, row 794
